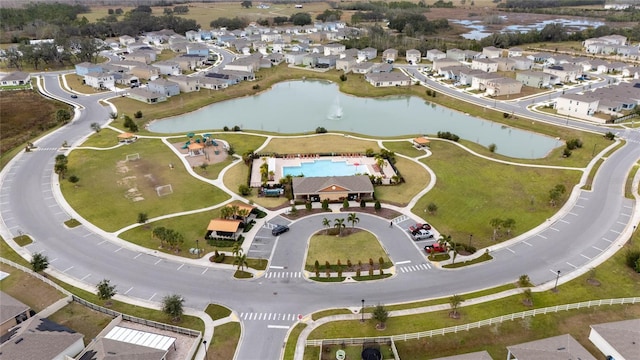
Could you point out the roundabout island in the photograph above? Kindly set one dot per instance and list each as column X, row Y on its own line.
column 466, row 192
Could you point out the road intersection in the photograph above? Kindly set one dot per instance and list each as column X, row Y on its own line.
column 589, row 227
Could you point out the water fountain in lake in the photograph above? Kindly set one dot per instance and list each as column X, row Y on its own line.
column 335, row 113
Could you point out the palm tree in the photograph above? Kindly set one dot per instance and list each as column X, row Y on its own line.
column 105, row 291
column 241, row 261
column 339, row 223
column 225, row 212
column 495, row 224
column 326, row 223
column 234, row 210
column 237, row 249
column 244, row 213
column 455, row 302
column 509, row 224
column 172, row 306
column 96, row 127
column 39, row 262
column 353, row 219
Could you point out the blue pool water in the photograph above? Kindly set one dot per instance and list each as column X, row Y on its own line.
column 319, row 168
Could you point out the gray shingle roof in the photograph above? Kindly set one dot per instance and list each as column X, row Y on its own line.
column 10, row 307
column 315, row 185
column 624, row 336
column 561, row 347
column 38, row 339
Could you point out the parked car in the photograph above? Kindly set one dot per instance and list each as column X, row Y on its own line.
column 417, row 227
column 280, row 229
column 422, row 234
column 74, row 96
column 435, row 248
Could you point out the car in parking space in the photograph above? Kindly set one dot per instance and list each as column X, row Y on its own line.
column 74, row 96
column 435, row 248
column 280, row 229
column 417, row 227
column 422, row 234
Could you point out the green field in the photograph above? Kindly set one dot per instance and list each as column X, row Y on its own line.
column 131, row 186
column 359, row 246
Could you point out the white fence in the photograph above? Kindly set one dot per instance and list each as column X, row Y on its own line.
column 478, row 324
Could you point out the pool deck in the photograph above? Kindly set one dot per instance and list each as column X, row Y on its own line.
column 365, row 165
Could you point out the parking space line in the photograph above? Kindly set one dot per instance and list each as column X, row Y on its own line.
column 555, row 272
column 564, row 221
column 205, row 270
column 157, row 262
column 628, row 207
column 621, row 223
column 510, row 250
column 554, row 229
column 152, row 296
column 118, row 249
column 526, row 243
column 87, row 234
column 585, row 256
column 542, row 236
column 69, row 268
column 126, row 292
column 597, row 248
column 86, row 276
column 180, row 267
column 571, row 213
column 627, row 215
column 580, row 206
column 137, row 256
column 570, row 264
column 102, row 242
column 607, row 240
column 613, row 231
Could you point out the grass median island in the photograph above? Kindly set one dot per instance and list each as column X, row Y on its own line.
column 471, row 191
column 225, row 341
column 360, row 245
column 130, row 186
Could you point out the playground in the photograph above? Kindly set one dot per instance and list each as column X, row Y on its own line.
column 201, row 149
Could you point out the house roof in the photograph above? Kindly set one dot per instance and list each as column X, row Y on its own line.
column 17, row 75
column 224, row 225
column 195, row 146
column 561, row 347
column 139, row 337
column 10, row 307
column 241, row 205
column 315, row 185
column 387, row 76
column 480, row 355
column 624, row 336
column 38, row 339
column 144, row 93
column 125, row 135
column 421, row 141
column 162, row 82
column 107, row 349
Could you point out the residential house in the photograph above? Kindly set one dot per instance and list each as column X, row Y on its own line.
column 274, row 59
column 454, row 72
column 146, row 72
column 332, row 188
column 136, row 46
column 539, row 58
column 439, row 63
column 189, row 62
column 384, row 79
column 522, row 63
column 84, row 68
column 466, row 76
column 503, row 86
column 631, row 52
column 192, row 35
column 294, row 58
column 514, row 52
column 479, row 82
column 278, row 47
column 168, row 67
column 367, row 54
column 470, row 55
column 611, row 68
column 413, row 56
column 311, row 60
column 632, row 72
column 627, row 94
column 486, row 65
column 536, row 79
column 12, row 312
column 491, row 52
column 614, row 39
column 619, row 339
column 187, row 84
column 594, row 64
column 456, row 54
column 125, row 79
column 480, row 355
column 565, row 73
column 389, row 55
column 334, row 49
column 435, row 54
column 363, row 67
column 146, row 96
column 505, row 64
column 212, row 83
column 581, row 106
column 38, row 338
column 205, row 35
column 141, row 56
column 197, row 49
column 559, row 59
column 346, row 64
column 165, row 87
column 122, row 342
column 126, row 40
column 16, row 78
column 557, row 347
column 100, row 80
column 229, row 79
column 249, row 63
column 327, row 61
column 238, row 75
column 382, row 67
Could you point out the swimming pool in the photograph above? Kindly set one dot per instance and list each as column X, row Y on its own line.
column 319, row 168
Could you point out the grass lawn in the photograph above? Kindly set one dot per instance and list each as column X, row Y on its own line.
column 83, row 320
column 106, row 173
column 359, row 246
column 319, row 143
column 403, row 147
column 225, row 341
column 23, row 240
column 415, row 178
column 76, row 83
column 469, row 192
column 7, row 252
column 628, row 189
column 26, row 288
column 217, row 311
column 290, row 347
column 106, row 138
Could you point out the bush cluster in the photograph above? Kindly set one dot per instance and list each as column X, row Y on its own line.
column 449, row 136
column 632, row 259
column 217, row 257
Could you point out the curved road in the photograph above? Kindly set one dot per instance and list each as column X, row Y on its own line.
column 268, row 305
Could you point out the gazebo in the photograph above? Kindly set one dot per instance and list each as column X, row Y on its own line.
column 127, row 137
column 196, row 149
column 223, row 228
column 421, row 142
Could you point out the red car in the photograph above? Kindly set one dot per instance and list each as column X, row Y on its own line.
column 417, row 227
column 435, row 248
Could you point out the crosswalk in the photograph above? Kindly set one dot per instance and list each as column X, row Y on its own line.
column 412, row 268
column 282, row 274
column 44, row 149
column 269, row 316
column 400, row 219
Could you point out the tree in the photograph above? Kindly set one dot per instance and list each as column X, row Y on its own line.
column 237, row 249
column 137, row 114
column 246, row 4
column 39, row 262
column 241, row 261
column 113, row 115
column 300, row 19
column 556, row 193
column 495, row 225
column 528, row 297
column 326, row 223
column 105, row 291
column 172, row 305
column 96, row 127
column 380, row 314
column 432, row 208
column 339, row 223
column 508, row 224
column 455, row 302
column 345, row 204
column 325, row 204
column 63, row 116
column 524, row 281
column 60, row 166
column 377, row 205
column 353, row 219
column 142, row 218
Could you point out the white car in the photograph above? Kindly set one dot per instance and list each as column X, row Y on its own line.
column 423, row 235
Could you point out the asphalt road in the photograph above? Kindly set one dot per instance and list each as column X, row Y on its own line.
column 269, row 305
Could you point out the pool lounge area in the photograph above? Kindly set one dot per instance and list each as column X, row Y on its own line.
column 312, row 165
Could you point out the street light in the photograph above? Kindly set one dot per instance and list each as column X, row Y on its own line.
column 197, row 248
column 206, row 353
column 470, row 238
column 362, row 312
column 555, row 288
